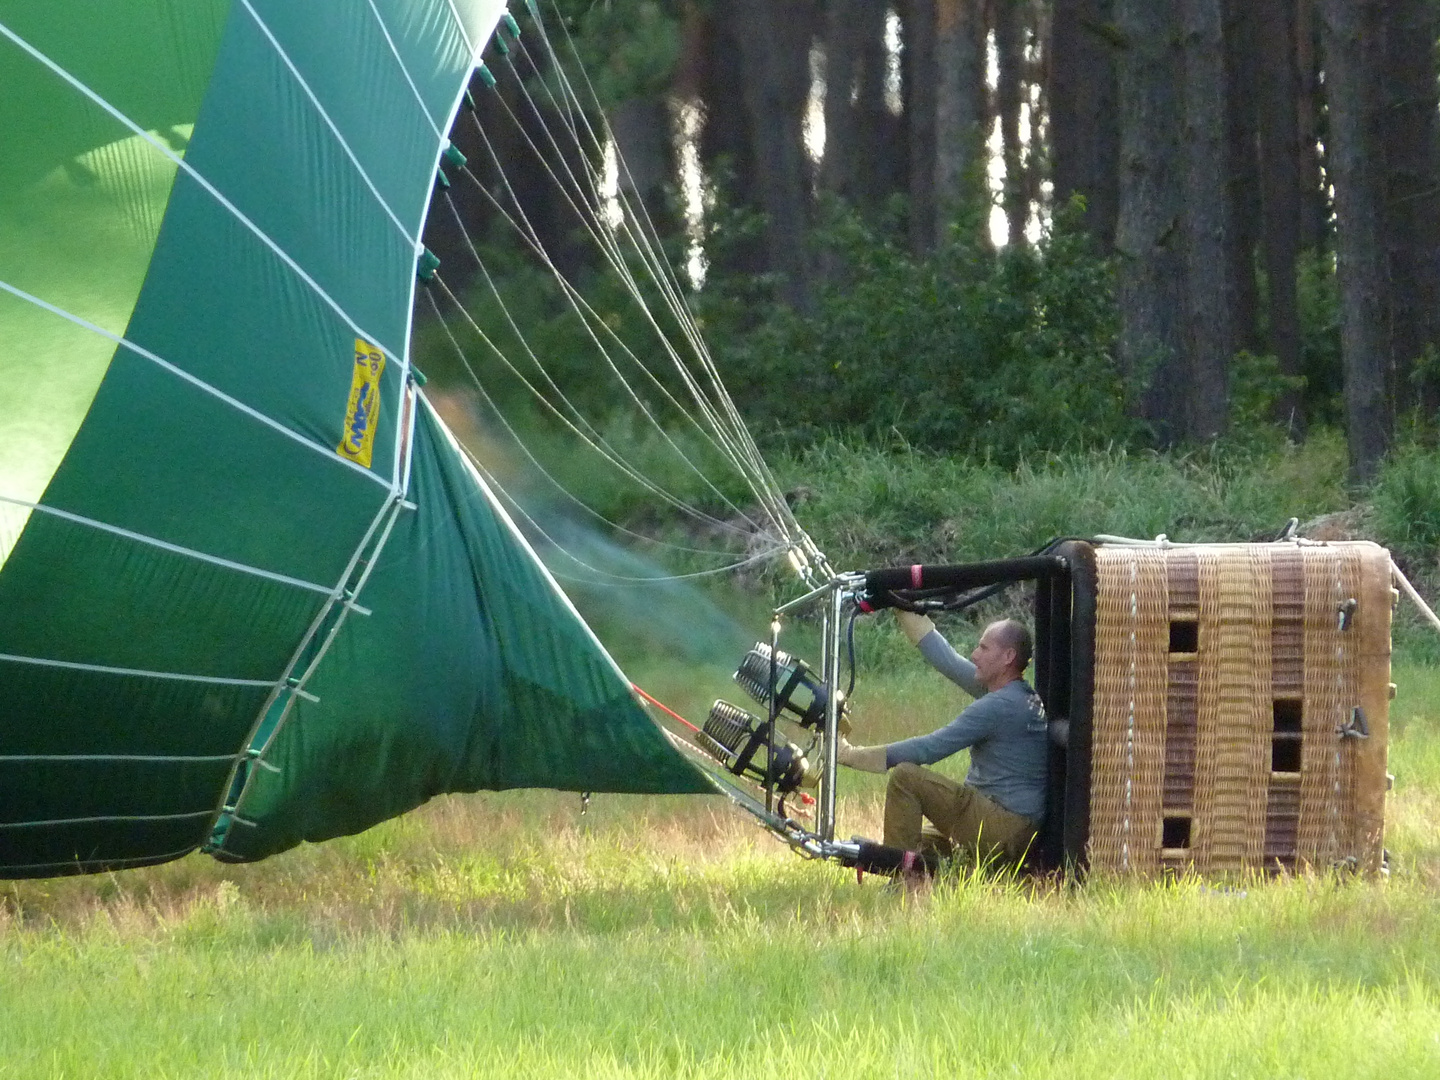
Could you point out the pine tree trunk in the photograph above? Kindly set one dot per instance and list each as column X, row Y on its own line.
column 775, row 63
column 843, row 60
column 1279, row 129
column 883, row 169
column 712, row 76
column 919, row 76
column 645, row 142
column 1354, row 54
column 1209, row 229
column 959, row 108
column 1010, row 54
column 1243, row 167
column 1314, row 200
column 1148, row 236
column 1412, row 154
column 1084, row 113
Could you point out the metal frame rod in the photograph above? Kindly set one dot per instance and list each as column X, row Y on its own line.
column 833, row 618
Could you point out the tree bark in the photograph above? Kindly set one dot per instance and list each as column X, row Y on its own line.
column 1084, row 113
column 959, row 109
column 1148, row 234
column 1354, row 54
column 919, row 63
column 1412, row 208
column 645, row 142
column 1010, row 56
column 1243, row 167
column 841, row 162
column 1314, row 199
column 775, row 43
column 1280, row 192
column 712, row 76
column 1210, row 290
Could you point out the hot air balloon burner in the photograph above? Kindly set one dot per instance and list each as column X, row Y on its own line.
column 798, row 690
column 744, row 745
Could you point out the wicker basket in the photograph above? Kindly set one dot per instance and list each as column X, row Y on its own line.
column 1241, row 700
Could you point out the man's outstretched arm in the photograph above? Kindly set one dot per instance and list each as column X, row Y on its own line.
column 938, row 652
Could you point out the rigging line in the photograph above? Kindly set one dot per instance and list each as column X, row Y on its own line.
column 625, row 582
column 578, row 301
column 619, row 462
column 165, row 545
column 679, row 309
column 645, row 244
column 573, row 294
column 325, row 116
column 515, row 435
column 691, row 330
column 769, row 497
column 337, row 596
column 769, row 553
column 193, row 380
column 143, row 759
column 99, row 818
column 395, row 51
column 583, row 307
column 515, row 329
column 600, row 232
column 103, row 669
column 195, row 175
column 617, row 262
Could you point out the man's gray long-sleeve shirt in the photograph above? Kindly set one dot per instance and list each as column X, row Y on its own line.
column 1005, row 730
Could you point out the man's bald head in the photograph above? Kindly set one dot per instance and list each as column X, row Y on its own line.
column 1013, row 634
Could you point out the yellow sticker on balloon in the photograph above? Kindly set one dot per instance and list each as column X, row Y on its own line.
column 363, row 413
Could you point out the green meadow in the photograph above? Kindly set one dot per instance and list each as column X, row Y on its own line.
column 510, row 935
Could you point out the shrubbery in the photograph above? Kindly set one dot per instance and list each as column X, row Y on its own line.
column 992, row 355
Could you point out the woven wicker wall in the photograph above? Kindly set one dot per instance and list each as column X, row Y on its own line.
column 1224, row 688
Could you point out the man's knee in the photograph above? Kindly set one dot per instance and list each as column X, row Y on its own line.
column 904, row 775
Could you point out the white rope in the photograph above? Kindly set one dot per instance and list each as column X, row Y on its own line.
column 590, row 319
column 615, row 459
column 679, row 308
column 137, row 758
column 622, row 578
column 193, row 380
column 608, row 246
column 165, row 545
column 325, row 116
column 539, row 466
column 746, row 455
column 210, row 188
column 51, row 823
column 1415, row 597
column 102, row 669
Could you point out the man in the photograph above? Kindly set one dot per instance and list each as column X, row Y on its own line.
column 997, row 811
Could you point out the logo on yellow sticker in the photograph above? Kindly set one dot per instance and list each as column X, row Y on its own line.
column 363, row 413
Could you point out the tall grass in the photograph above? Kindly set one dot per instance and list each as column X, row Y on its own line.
column 510, row 935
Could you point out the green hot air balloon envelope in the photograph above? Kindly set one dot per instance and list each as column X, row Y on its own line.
column 250, row 591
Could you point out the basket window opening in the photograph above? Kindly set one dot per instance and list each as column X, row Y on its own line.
column 1184, row 635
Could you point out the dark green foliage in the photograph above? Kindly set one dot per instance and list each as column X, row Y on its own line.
column 1407, row 502
column 992, row 355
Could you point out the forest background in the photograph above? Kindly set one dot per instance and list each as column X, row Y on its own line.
column 934, row 241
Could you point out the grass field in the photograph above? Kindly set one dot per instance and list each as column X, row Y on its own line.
column 508, row 935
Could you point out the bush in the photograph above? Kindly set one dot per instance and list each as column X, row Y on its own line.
column 1407, row 502
column 994, row 355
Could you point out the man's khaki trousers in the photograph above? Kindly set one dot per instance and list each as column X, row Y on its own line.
column 962, row 817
